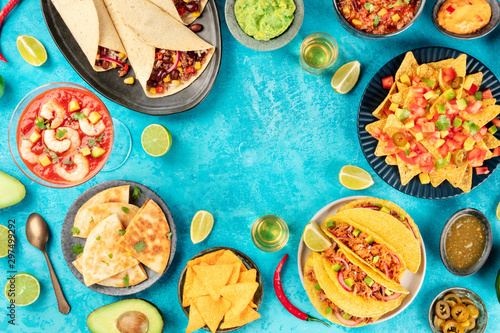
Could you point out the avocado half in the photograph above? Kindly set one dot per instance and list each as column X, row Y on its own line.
column 13, row 191
column 104, row 319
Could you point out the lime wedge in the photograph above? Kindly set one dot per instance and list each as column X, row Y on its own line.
column 4, row 241
column 315, row 238
column 345, row 77
column 2, row 86
column 201, row 225
column 355, row 178
column 156, row 140
column 498, row 211
column 31, row 50
column 24, row 290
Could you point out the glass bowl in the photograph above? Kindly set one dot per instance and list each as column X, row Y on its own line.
column 13, row 127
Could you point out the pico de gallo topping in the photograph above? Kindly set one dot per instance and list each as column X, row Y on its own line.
column 374, row 254
column 107, row 58
column 378, row 17
column 188, row 8
column 172, row 68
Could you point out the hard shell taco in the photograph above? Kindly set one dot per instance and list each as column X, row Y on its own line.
column 355, row 287
column 325, row 306
column 367, row 247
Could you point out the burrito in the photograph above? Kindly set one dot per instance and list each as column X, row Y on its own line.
column 184, row 11
column 93, row 30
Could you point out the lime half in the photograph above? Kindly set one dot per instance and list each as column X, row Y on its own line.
column 24, row 290
column 201, row 226
column 355, row 178
column 345, row 77
column 156, row 140
column 31, row 50
column 4, row 241
column 315, row 238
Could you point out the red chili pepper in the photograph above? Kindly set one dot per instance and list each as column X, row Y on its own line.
column 181, row 10
column 190, row 69
column 125, row 68
column 278, row 289
column 159, row 56
column 3, row 14
column 159, row 89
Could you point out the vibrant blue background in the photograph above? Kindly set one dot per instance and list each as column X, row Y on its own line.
column 269, row 138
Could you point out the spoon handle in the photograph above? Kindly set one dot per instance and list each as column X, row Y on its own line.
column 63, row 305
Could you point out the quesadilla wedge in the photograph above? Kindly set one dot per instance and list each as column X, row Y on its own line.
column 147, row 237
column 390, row 230
column 366, row 246
column 93, row 30
column 102, row 257
column 386, row 207
column 135, row 275
column 325, row 306
column 355, row 287
column 83, row 219
column 124, row 211
column 184, row 11
column 167, row 57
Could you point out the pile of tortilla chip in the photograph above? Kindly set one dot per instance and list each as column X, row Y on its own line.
column 219, row 288
column 436, row 122
column 120, row 238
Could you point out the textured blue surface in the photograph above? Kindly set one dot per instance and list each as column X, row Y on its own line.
column 269, row 138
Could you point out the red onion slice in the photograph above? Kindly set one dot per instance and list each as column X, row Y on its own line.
column 377, row 296
column 373, row 207
column 347, row 322
column 174, row 66
column 119, row 63
column 343, row 261
column 343, row 238
column 396, row 258
column 392, row 297
column 350, row 229
column 340, row 278
column 386, row 268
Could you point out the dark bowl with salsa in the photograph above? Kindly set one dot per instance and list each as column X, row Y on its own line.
column 450, row 12
column 466, row 242
column 376, row 19
column 61, row 135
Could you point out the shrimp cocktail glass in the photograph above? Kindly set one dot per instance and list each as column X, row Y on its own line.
column 270, row 233
column 318, row 51
column 61, row 135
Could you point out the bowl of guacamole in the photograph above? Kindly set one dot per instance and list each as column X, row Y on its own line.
column 264, row 25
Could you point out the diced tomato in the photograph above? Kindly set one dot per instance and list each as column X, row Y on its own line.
column 388, row 112
column 443, row 150
column 436, row 135
column 376, row 132
column 426, row 168
column 448, row 74
column 190, row 69
column 474, row 154
column 482, row 170
column 390, row 148
column 405, row 158
column 418, row 91
column 487, row 94
column 483, row 130
column 421, row 101
column 478, row 137
column 472, row 90
column 496, row 122
column 432, row 140
column 413, row 144
column 428, row 127
column 387, row 82
column 421, row 121
column 421, row 148
column 453, row 145
column 416, row 80
column 384, row 137
column 159, row 56
column 436, row 117
column 496, row 151
column 474, row 107
column 417, row 128
column 453, row 102
column 460, row 138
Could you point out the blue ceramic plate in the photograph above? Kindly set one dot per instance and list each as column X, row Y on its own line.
column 374, row 94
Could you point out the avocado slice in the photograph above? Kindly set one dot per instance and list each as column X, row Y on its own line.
column 132, row 315
column 14, row 190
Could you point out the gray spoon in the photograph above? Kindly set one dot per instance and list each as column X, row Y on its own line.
column 37, row 233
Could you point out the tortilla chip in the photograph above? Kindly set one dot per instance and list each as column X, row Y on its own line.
column 391, row 160
column 438, row 177
column 484, row 117
column 481, row 145
column 402, row 88
column 380, row 124
column 380, row 149
column 239, row 295
column 491, row 141
column 425, row 71
column 409, row 99
column 406, row 171
column 393, row 125
column 466, row 183
column 488, row 102
column 408, row 66
column 212, row 311
column 430, row 147
column 193, row 288
column 214, row 278
column 398, row 98
column 248, row 276
column 209, row 258
column 248, row 315
column 441, row 100
column 460, row 65
column 379, row 111
column 253, row 305
column 441, row 64
column 235, row 274
column 455, row 174
column 228, row 257
column 195, row 320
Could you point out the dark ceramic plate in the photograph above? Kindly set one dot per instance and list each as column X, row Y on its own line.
column 495, row 19
column 259, row 294
column 374, row 94
column 111, row 86
column 487, row 246
column 68, row 241
column 365, row 35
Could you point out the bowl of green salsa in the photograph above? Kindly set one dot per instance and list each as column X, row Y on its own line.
column 264, row 25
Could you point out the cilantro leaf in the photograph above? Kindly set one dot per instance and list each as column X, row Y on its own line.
column 376, row 21
column 75, row 231
column 125, row 210
column 42, row 123
column 122, row 232
column 398, row 3
column 443, row 123
column 79, row 115
column 369, row 7
column 105, row 262
column 68, row 162
column 110, row 256
column 61, row 133
column 140, row 246
column 54, row 156
column 126, row 281
column 77, row 249
column 98, row 238
column 93, row 141
column 169, row 236
column 137, row 193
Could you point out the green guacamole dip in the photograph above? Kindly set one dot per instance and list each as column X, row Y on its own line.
column 264, row 19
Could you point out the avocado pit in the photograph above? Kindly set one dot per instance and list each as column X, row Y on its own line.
column 132, row 322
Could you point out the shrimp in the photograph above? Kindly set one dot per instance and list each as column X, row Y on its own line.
column 91, row 129
column 53, row 110
column 80, row 172
column 70, row 140
column 26, row 152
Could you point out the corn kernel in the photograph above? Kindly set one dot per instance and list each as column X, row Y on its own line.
column 410, row 124
column 179, row 64
column 45, row 160
column 356, row 22
column 428, row 95
column 35, row 136
column 347, row 10
column 419, row 136
column 95, row 117
column 86, row 151
column 186, row 1
column 197, row 65
column 469, row 144
column 396, row 18
column 424, row 178
column 430, row 116
column 74, row 106
column 382, row 12
column 129, row 80
column 179, row 69
column 196, row 14
column 167, row 78
column 121, row 55
column 176, row 82
column 393, row 107
column 152, row 91
column 468, row 83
